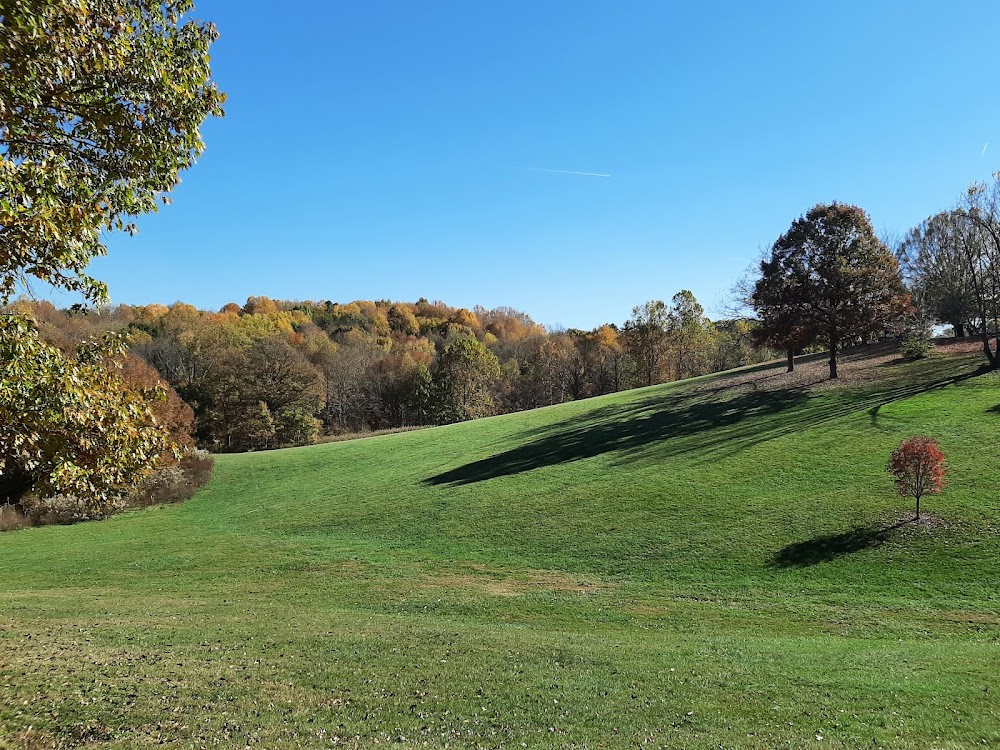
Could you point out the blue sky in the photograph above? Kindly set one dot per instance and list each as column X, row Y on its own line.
column 396, row 149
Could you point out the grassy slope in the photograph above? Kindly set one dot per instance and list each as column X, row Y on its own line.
column 701, row 565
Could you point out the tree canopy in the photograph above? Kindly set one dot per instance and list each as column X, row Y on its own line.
column 828, row 279
column 100, row 108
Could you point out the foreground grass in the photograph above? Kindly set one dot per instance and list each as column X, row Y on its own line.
column 711, row 564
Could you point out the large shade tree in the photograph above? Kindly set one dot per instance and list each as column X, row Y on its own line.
column 100, row 108
column 829, row 279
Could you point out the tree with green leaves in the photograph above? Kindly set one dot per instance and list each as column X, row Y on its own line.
column 645, row 337
column 464, row 378
column 830, row 279
column 689, row 334
column 70, row 425
column 100, row 108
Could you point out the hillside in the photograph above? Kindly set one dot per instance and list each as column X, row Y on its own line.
column 719, row 562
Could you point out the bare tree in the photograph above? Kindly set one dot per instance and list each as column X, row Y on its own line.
column 979, row 238
column 937, row 272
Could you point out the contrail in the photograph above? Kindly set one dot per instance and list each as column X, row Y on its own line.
column 569, row 171
column 984, row 150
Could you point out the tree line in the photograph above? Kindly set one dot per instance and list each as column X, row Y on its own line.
column 272, row 373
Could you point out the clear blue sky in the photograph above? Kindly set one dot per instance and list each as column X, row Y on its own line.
column 396, row 149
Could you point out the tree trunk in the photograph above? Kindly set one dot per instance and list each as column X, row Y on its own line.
column 992, row 355
column 833, row 361
column 918, row 508
column 959, row 330
column 791, row 360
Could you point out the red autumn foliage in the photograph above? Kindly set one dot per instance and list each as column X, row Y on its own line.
column 919, row 467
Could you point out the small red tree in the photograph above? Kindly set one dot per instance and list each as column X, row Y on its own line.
column 919, row 468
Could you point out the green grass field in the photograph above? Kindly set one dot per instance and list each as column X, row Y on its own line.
column 720, row 563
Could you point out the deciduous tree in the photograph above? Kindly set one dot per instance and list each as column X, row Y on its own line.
column 979, row 240
column 919, row 468
column 936, row 265
column 464, row 378
column 829, row 279
column 100, row 108
column 690, row 335
column 69, row 425
column 645, row 337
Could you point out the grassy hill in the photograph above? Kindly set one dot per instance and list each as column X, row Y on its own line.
column 715, row 563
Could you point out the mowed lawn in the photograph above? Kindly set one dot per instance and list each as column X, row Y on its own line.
column 720, row 563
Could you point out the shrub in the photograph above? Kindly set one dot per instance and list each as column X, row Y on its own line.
column 173, row 484
column 64, row 509
column 916, row 346
column 11, row 518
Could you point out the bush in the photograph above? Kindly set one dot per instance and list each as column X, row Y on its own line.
column 173, row 484
column 11, row 518
column 63, row 509
column 165, row 484
column 916, row 346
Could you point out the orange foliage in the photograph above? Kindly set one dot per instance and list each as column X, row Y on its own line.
column 170, row 412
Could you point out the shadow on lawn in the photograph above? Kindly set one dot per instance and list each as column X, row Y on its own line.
column 827, row 548
column 696, row 420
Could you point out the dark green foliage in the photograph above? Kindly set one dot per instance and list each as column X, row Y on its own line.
column 463, row 381
column 916, row 346
column 828, row 279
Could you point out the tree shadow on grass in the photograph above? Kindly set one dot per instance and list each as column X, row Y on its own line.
column 828, row 548
column 674, row 423
column 695, row 420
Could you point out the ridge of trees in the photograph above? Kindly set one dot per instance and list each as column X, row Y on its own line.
column 272, row 373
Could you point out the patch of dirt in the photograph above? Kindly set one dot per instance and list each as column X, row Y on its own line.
column 507, row 583
column 972, row 618
column 906, row 521
column 33, row 739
